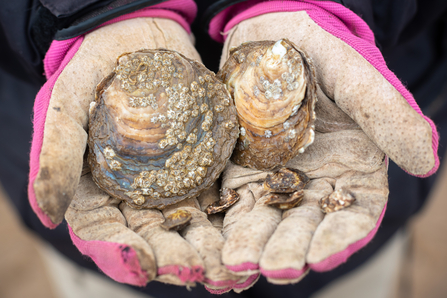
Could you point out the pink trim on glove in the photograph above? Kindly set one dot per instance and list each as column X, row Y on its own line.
column 243, row 267
column 119, row 261
column 336, row 20
column 339, row 258
column 287, row 273
column 57, row 58
column 185, row 274
column 181, row 11
column 220, row 283
column 218, row 291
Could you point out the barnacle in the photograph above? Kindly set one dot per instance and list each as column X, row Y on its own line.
column 274, row 89
column 161, row 129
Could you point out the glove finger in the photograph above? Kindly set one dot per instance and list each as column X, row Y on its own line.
column 238, row 210
column 368, row 94
column 343, row 232
column 235, row 176
column 248, row 235
column 207, row 241
column 98, row 229
column 284, row 258
column 177, row 261
column 208, row 197
column 330, row 117
column 60, row 123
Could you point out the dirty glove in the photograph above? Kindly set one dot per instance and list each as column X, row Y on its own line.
column 126, row 244
column 363, row 112
column 131, row 247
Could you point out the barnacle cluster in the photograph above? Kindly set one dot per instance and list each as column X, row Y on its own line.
column 161, row 129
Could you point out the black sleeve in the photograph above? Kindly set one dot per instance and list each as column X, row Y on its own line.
column 398, row 21
column 29, row 27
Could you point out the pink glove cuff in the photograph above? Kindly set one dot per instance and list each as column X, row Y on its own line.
column 339, row 258
column 119, row 261
column 336, row 20
column 57, row 58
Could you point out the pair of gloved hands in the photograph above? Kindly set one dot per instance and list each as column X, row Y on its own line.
column 363, row 115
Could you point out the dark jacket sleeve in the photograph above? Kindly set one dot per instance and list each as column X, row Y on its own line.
column 29, row 27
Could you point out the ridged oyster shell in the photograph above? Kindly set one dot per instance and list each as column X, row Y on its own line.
column 274, row 89
column 161, row 129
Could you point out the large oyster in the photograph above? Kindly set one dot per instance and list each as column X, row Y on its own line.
column 274, row 90
column 161, row 129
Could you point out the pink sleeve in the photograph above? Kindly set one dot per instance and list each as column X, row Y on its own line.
column 336, row 20
column 58, row 56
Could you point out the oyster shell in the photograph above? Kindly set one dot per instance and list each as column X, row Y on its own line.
column 161, row 129
column 338, row 200
column 285, row 201
column 177, row 220
column 228, row 197
column 286, row 180
column 274, row 89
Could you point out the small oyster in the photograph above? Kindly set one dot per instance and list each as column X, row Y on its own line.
column 228, row 197
column 285, row 201
column 286, row 180
column 285, row 188
column 161, row 129
column 339, row 199
column 177, row 220
column 274, row 89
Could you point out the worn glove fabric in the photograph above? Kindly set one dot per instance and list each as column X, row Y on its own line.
column 126, row 244
column 130, row 246
column 363, row 113
column 60, row 122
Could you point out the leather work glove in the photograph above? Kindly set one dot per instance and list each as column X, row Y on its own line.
column 364, row 114
column 127, row 244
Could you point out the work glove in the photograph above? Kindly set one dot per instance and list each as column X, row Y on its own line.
column 364, row 114
column 128, row 245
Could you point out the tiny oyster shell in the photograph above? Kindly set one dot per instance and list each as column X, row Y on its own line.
column 339, row 199
column 286, row 180
column 177, row 220
column 228, row 197
column 285, row 201
column 161, row 130
column 274, row 88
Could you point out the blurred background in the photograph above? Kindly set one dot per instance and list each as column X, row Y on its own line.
column 423, row 273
